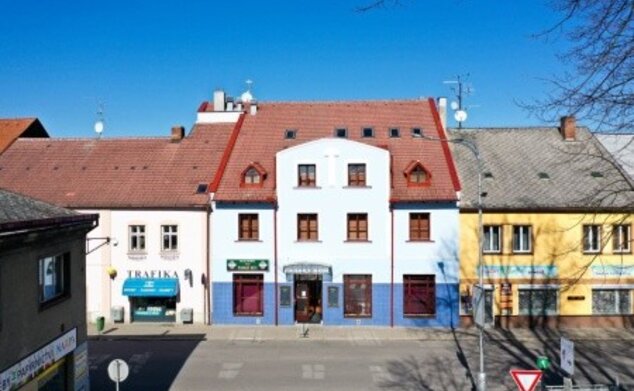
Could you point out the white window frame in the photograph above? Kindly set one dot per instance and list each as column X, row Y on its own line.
column 140, row 235
column 525, row 288
column 622, row 238
column 616, row 300
column 489, row 241
column 171, row 232
column 591, row 239
column 522, row 247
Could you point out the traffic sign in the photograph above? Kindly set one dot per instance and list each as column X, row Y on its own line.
column 118, row 371
column 567, row 353
column 526, row 379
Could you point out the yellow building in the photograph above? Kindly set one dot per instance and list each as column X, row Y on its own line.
column 557, row 228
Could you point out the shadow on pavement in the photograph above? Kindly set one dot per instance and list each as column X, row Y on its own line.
column 154, row 361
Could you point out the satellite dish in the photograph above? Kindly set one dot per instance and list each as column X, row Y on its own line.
column 99, row 125
column 460, row 115
column 454, row 105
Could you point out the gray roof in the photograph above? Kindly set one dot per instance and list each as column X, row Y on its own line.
column 621, row 146
column 16, row 208
column 530, row 168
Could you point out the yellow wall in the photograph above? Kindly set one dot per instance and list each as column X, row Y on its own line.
column 556, row 241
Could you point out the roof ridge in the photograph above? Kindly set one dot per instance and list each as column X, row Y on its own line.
column 59, row 139
column 349, row 101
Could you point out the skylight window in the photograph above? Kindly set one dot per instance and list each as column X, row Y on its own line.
column 543, row 175
column 487, row 174
column 596, row 174
column 290, row 133
column 341, row 132
column 367, row 132
column 395, row 132
column 417, row 132
column 201, row 188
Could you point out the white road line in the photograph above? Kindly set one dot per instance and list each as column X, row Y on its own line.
column 378, row 373
column 314, row 371
column 230, row 370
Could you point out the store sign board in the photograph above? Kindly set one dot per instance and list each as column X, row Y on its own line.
column 567, row 356
column 238, row 265
column 513, row 271
column 32, row 365
column 612, row 271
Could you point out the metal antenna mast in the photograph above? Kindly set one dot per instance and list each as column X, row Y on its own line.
column 460, row 90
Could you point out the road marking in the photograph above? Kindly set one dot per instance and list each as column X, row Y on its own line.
column 313, row 371
column 95, row 362
column 230, row 370
column 137, row 361
column 364, row 338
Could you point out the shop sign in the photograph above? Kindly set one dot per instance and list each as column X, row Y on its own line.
column 612, row 271
column 238, row 265
column 152, row 274
column 512, row 271
column 29, row 367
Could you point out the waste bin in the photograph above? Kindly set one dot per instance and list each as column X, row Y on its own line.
column 101, row 322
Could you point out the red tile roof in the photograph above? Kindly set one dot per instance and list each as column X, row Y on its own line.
column 261, row 136
column 116, row 173
column 12, row 129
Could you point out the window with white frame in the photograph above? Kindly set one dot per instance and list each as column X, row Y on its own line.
column 522, row 236
column 492, row 239
column 591, row 238
column 136, row 237
column 622, row 238
column 539, row 301
column 54, row 277
column 611, row 301
column 169, row 234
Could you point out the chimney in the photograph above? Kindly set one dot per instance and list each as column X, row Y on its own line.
column 568, row 127
column 442, row 112
column 219, row 100
column 253, row 108
column 178, row 133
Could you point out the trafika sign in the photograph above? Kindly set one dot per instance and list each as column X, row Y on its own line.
column 526, row 379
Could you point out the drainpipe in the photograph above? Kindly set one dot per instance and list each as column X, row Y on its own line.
column 275, row 261
column 206, row 302
column 392, row 267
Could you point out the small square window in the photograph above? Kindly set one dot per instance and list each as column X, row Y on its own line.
column 417, row 132
column 367, row 132
column 248, row 226
column 306, row 175
column 341, row 132
column 395, row 132
column 307, row 227
column 419, row 226
column 290, row 133
column 201, row 189
column 356, row 174
column 357, row 226
column 54, row 277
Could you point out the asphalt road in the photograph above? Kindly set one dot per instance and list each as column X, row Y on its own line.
column 193, row 363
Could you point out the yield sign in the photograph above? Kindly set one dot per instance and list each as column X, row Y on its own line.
column 526, row 379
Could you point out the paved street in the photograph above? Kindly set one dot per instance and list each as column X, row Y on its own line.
column 358, row 359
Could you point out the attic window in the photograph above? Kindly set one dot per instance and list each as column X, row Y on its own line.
column 202, row 188
column 395, row 132
column 596, row 174
column 543, row 175
column 417, row 175
column 417, row 132
column 341, row 132
column 253, row 176
column 487, row 174
column 367, row 132
column 290, row 134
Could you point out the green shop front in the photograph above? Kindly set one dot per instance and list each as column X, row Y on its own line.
column 152, row 299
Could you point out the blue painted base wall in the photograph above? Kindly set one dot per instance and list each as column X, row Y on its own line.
column 446, row 308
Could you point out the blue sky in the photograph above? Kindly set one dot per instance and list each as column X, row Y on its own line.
column 153, row 63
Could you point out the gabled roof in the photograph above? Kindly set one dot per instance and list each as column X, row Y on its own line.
column 12, row 129
column 261, row 136
column 621, row 146
column 116, row 173
column 534, row 168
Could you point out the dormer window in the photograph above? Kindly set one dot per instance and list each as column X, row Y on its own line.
column 417, row 132
column 290, row 134
column 367, row 132
column 395, row 132
column 254, row 175
column 417, row 175
column 341, row 132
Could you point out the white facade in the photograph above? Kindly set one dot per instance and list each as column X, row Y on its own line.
column 103, row 292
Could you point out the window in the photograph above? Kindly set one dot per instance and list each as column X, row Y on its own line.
column 307, row 226
column 247, row 294
column 54, row 277
column 621, row 238
column 417, row 132
column 611, row 301
column 419, row 226
column 492, row 239
column 201, row 188
column 357, row 295
column 248, row 226
column 591, row 238
column 357, row 226
column 419, row 295
column 170, row 237
column 522, row 239
column 341, row 132
column 367, row 132
column 417, row 175
column 306, row 175
column 252, row 176
column 356, row 174
column 394, row 132
column 536, row 302
column 290, row 133
column 136, row 235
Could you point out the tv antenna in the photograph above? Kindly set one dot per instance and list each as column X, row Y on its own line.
column 100, row 122
column 460, row 89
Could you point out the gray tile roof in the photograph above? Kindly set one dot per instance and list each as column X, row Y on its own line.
column 529, row 168
column 621, row 146
column 16, row 208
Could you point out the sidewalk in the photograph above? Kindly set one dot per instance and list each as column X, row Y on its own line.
column 335, row 333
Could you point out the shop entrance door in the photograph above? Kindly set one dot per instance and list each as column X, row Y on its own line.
column 308, row 307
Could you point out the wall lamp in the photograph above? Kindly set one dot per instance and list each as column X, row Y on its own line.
column 104, row 240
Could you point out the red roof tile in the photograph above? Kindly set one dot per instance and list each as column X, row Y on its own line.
column 261, row 136
column 12, row 129
column 116, row 173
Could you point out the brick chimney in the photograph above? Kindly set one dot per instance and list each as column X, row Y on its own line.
column 568, row 127
column 178, row 133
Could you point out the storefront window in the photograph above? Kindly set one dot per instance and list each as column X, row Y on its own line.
column 357, row 295
column 248, row 294
column 611, row 301
column 153, row 309
column 536, row 302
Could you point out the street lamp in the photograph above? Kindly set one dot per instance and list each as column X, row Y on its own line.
column 473, row 148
